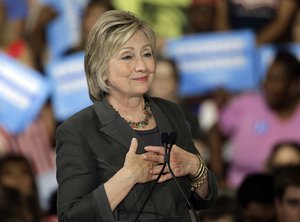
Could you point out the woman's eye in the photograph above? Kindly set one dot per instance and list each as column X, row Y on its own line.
column 128, row 57
column 148, row 54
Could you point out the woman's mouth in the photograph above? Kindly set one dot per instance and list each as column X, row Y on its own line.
column 141, row 79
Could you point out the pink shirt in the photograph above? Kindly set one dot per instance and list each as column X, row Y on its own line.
column 254, row 129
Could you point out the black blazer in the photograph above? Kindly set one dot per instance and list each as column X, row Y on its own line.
column 91, row 148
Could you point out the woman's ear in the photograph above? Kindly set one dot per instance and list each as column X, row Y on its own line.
column 105, row 77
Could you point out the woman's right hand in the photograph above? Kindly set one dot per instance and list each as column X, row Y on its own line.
column 137, row 167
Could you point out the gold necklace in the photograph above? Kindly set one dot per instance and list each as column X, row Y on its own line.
column 142, row 123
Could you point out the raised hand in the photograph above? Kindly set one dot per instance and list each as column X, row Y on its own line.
column 137, row 166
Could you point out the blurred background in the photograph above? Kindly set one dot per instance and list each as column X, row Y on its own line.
column 231, row 65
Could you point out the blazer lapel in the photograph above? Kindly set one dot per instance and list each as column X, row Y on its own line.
column 113, row 125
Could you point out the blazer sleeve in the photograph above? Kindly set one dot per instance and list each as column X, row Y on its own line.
column 205, row 203
column 80, row 196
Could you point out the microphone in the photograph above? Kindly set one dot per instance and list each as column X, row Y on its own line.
column 164, row 138
column 171, row 141
column 165, row 141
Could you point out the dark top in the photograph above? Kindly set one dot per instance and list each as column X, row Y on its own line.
column 255, row 16
column 91, row 148
column 150, row 137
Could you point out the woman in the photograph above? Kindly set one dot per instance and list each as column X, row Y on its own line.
column 253, row 135
column 109, row 154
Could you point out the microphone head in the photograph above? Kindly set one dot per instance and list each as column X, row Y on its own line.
column 164, row 138
column 172, row 138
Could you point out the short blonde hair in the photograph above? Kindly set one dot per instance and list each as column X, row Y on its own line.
column 111, row 31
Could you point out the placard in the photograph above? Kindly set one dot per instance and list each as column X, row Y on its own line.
column 23, row 91
column 64, row 31
column 211, row 60
column 70, row 90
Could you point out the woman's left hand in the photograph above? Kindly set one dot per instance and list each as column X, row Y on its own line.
column 182, row 162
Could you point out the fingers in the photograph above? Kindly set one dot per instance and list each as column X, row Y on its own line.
column 156, row 149
column 133, row 146
column 153, row 157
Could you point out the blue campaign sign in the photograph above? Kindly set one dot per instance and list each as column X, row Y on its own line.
column 70, row 90
column 64, row 32
column 23, row 92
column 211, row 60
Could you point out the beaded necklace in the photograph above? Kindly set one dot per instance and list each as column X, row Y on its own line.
column 142, row 123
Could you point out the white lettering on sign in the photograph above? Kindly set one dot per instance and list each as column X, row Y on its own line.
column 216, row 63
column 9, row 73
column 14, row 97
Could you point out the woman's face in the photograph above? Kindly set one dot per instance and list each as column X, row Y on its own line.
column 130, row 70
column 277, row 86
column 17, row 175
column 286, row 155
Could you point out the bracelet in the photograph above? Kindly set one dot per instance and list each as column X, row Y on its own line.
column 196, row 175
column 201, row 180
column 200, row 176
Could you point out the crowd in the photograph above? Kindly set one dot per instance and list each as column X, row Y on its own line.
column 250, row 139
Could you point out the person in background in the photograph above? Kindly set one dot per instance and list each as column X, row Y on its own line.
column 201, row 16
column 12, row 28
column 254, row 122
column 284, row 153
column 37, row 35
column 296, row 29
column 12, row 206
column 165, row 85
column 16, row 172
column 225, row 209
column 112, row 150
column 287, row 193
column 93, row 10
column 270, row 20
column 2, row 20
column 255, row 198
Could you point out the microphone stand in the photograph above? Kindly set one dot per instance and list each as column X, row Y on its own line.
column 172, row 140
column 164, row 139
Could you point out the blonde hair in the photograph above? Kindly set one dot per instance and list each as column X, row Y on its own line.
column 111, row 31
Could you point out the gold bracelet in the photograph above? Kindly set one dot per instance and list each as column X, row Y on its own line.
column 199, row 175
column 192, row 177
column 201, row 180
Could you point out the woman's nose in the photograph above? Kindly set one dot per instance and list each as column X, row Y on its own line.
column 140, row 65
